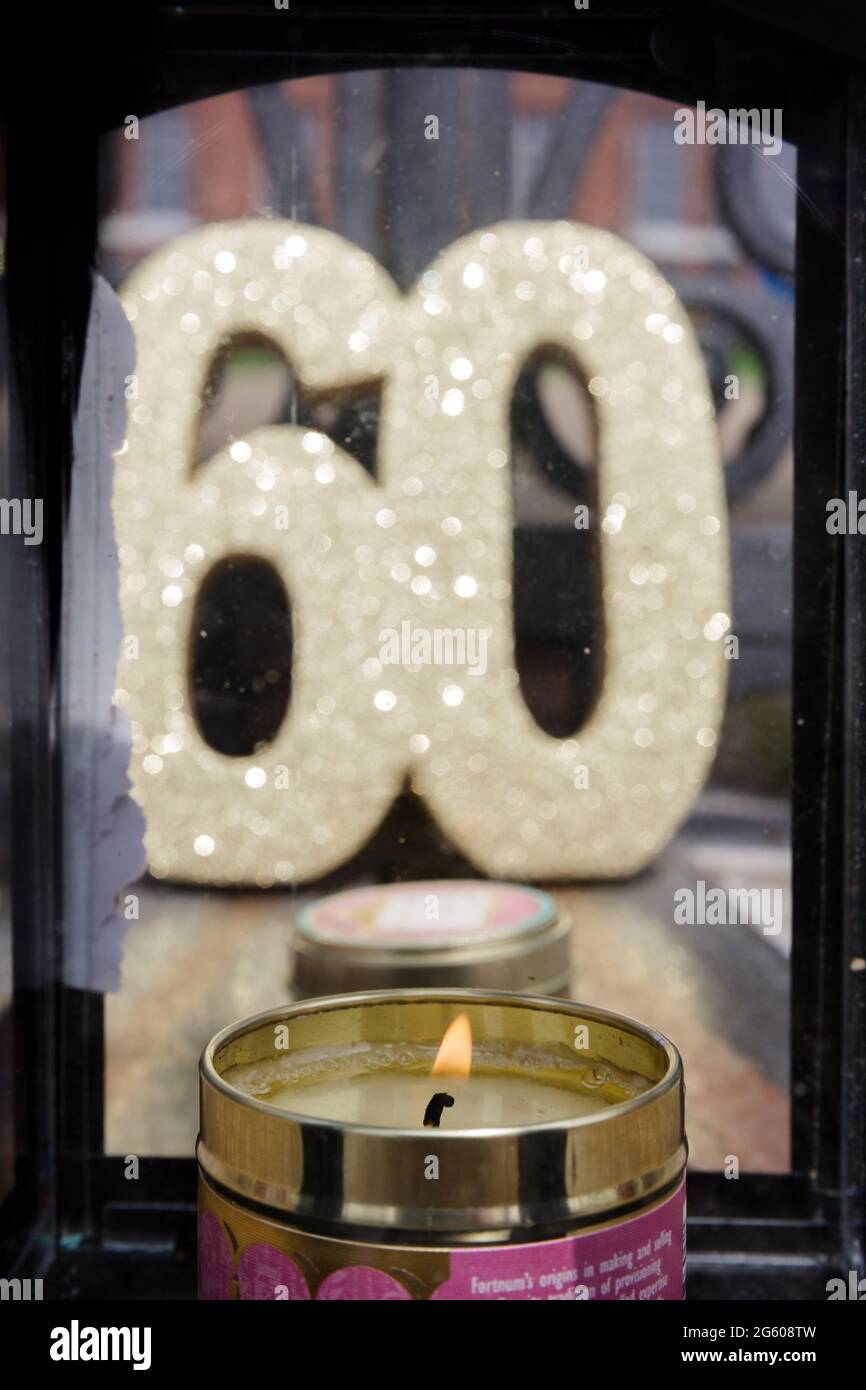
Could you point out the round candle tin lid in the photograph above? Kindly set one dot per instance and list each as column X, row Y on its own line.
column 450, row 933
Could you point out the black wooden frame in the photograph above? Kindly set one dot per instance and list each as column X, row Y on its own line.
column 72, row 1214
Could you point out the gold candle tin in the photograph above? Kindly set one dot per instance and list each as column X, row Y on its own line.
column 446, row 934
column 299, row 1208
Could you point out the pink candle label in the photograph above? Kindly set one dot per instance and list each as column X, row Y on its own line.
column 639, row 1258
column 436, row 913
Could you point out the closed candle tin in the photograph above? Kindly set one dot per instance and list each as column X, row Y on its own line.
column 437, row 933
column 297, row 1207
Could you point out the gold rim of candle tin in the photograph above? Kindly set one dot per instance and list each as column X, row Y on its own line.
column 537, row 958
column 367, row 1182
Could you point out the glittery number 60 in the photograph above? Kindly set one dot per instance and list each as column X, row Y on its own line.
column 428, row 544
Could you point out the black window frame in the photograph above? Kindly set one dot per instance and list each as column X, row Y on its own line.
column 769, row 1236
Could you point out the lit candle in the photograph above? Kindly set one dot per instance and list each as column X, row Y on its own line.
column 393, row 1087
column 448, row 1145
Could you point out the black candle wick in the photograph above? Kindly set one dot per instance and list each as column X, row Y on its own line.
column 433, row 1114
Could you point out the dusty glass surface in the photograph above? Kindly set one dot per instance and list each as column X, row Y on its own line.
column 357, row 154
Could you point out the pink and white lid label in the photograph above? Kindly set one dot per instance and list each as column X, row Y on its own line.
column 425, row 915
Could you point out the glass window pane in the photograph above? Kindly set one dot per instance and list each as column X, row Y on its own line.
column 698, row 942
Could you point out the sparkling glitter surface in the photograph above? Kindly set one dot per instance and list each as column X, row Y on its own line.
column 428, row 544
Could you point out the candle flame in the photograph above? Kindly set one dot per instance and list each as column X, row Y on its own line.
column 454, row 1057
